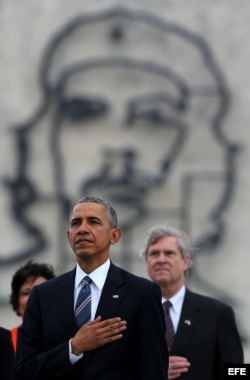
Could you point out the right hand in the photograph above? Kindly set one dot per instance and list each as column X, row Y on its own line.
column 96, row 333
column 177, row 366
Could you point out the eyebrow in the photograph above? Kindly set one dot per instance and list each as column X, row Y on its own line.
column 76, row 219
column 89, row 218
column 94, row 218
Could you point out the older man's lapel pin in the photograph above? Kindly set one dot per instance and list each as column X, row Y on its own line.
column 115, row 296
column 187, row 322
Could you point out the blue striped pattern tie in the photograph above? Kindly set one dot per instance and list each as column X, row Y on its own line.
column 83, row 303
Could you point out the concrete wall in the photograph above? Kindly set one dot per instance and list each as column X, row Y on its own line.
column 26, row 27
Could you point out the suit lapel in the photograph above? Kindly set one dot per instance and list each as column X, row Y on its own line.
column 64, row 300
column 112, row 293
column 188, row 319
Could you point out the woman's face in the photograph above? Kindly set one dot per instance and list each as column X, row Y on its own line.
column 25, row 290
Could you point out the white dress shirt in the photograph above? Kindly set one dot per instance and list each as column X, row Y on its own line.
column 177, row 302
column 98, row 277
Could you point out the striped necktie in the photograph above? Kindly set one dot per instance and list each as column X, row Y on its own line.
column 169, row 325
column 83, row 303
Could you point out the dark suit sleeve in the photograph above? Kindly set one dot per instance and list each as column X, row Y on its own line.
column 228, row 342
column 153, row 353
column 6, row 355
column 33, row 355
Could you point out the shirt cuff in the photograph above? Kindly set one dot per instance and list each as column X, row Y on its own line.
column 72, row 357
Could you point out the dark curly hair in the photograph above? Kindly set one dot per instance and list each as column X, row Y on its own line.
column 30, row 269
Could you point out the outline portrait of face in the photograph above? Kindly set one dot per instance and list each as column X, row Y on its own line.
column 119, row 120
column 116, row 155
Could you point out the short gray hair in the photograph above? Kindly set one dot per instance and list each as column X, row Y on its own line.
column 110, row 211
column 159, row 231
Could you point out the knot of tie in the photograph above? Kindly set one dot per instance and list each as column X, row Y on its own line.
column 86, row 281
column 167, row 304
column 83, row 303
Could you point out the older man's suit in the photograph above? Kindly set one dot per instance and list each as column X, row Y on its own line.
column 207, row 336
column 49, row 323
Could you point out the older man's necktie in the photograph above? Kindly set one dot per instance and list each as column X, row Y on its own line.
column 83, row 303
column 169, row 325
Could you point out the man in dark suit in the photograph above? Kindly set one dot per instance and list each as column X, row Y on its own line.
column 125, row 339
column 205, row 331
column 6, row 354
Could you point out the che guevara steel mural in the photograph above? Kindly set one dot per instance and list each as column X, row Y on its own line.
column 134, row 110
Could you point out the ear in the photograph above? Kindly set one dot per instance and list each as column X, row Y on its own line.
column 116, row 234
column 186, row 261
column 68, row 236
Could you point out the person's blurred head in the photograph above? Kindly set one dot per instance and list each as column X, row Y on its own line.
column 110, row 211
column 24, row 279
column 168, row 252
column 93, row 228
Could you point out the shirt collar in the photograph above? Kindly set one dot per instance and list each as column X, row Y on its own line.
column 98, row 276
column 177, row 300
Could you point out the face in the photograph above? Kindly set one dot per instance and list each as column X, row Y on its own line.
column 134, row 109
column 90, row 235
column 25, row 290
column 125, row 118
column 166, row 266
